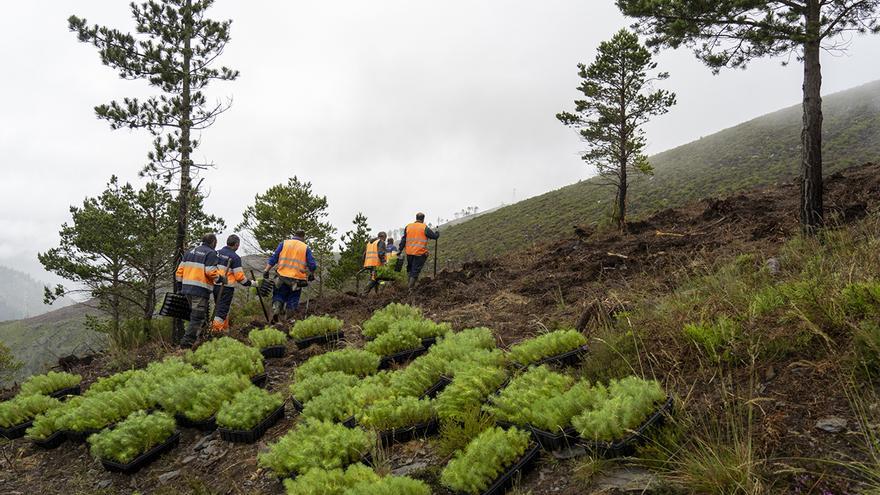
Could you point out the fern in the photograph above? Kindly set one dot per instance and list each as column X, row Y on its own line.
column 314, row 326
column 546, row 345
column 25, row 408
column 398, row 412
column 354, row 362
column 312, row 386
column 199, row 396
column 267, row 337
column 519, row 401
column 468, row 390
column 316, row 444
column 382, row 319
column 484, row 460
column 137, row 434
column 396, row 339
column 248, row 408
column 49, row 383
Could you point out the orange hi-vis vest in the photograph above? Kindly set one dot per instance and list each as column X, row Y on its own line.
column 292, row 260
column 371, row 260
column 416, row 240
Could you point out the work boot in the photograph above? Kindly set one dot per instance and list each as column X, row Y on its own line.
column 412, row 283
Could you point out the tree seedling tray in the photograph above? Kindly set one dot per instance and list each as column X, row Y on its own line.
column 569, row 358
column 16, row 431
column 319, row 339
column 64, row 392
column 350, row 422
column 142, row 460
column 299, row 406
column 401, row 357
column 403, row 435
column 260, row 380
column 81, row 436
column 428, row 342
column 525, row 464
column 255, row 433
column 273, row 352
column 552, row 441
column 209, row 424
column 52, row 441
column 627, row 445
column 436, row 388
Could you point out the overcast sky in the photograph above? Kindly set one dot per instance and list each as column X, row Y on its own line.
column 386, row 106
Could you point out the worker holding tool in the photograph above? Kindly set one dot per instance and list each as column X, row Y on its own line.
column 414, row 244
column 374, row 257
column 296, row 268
column 231, row 269
column 197, row 274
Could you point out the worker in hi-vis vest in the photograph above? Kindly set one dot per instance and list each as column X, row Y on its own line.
column 374, row 257
column 414, row 244
column 230, row 267
column 296, row 267
column 196, row 275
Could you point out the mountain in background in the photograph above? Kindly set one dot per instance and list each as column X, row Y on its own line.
column 21, row 296
column 759, row 152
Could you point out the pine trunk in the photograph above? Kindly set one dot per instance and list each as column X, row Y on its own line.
column 183, row 196
column 811, row 207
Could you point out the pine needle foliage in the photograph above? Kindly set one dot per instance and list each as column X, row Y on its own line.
column 137, row 434
column 227, row 355
column 49, row 383
column 315, row 326
column 335, row 403
column 52, row 421
column 468, row 390
column 382, row 319
column 421, row 328
column 396, row 339
column 619, row 408
column 547, row 345
column 517, row 403
column 354, row 362
column 200, row 395
column 316, row 444
column 110, row 383
column 267, row 337
column 357, row 479
column 397, row 412
column 484, row 460
column 314, row 385
column 100, row 410
column 248, row 408
column 387, row 272
column 22, row 409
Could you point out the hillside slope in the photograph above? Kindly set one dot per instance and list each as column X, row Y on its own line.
column 629, row 276
column 760, row 152
column 21, row 296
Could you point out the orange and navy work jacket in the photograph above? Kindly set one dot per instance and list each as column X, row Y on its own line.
column 293, row 259
column 235, row 274
column 416, row 239
column 198, row 272
column 375, row 255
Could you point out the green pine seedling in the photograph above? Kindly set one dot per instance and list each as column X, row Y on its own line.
column 484, row 459
column 315, row 326
column 49, row 383
column 248, row 408
column 22, row 409
column 316, row 444
column 137, row 434
column 547, row 345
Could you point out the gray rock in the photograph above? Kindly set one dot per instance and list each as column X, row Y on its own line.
column 409, row 468
column 626, row 480
column 103, row 484
column 831, row 424
column 773, row 266
column 189, row 459
column 204, row 442
column 170, row 475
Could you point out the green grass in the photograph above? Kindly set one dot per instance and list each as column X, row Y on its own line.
column 760, row 152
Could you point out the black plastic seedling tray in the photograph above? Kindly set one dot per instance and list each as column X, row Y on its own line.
column 254, row 434
column 16, row 431
column 142, row 460
column 569, row 358
column 319, row 339
column 525, row 464
column 297, row 404
column 64, row 392
column 350, row 422
column 260, row 380
column 209, row 424
column 273, row 352
column 80, row 436
column 403, row 435
column 436, row 388
column 627, row 446
column 401, row 357
column 552, row 441
column 52, row 441
column 428, row 342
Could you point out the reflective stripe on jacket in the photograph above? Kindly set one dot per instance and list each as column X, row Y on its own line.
column 371, row 259
column 236, row 271
column 416, row 240
column 292, row 261
column 198, row 271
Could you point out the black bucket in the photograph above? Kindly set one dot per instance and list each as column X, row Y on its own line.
column 266, row 288
column 175, row 306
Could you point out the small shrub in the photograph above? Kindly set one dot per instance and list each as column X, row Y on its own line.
column 49, row 383
column 248, row 408
column 866, row 343
column 316, row 444
column 398, row 412
column 354, row 362
column 861, row 300
column 137, row 434
column 715, row 339
column 314, row 326
column 382, row 319
column 468, row 390
column 518, row 400
column 25, row 408
column 395, row 340
column 484, row 459
column 312, row 386
column 267, row 337
column 546, row 345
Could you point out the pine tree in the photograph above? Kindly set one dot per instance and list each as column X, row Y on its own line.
column 731, row 33
column 351, row 252
column 175, row 50
column 618, row 101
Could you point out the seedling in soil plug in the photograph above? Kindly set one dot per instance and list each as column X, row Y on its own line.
column 316, row 444
column 49, row 383
column 545, row 346
column 315, row 326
